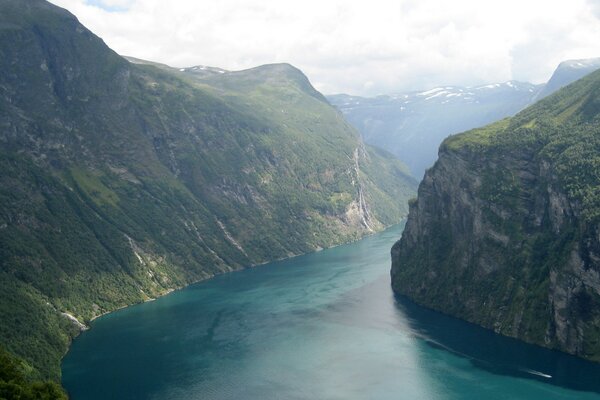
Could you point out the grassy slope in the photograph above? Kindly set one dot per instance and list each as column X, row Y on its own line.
column 562, row 129
column 120, row 182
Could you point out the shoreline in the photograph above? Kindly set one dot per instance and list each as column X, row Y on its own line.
column 88, row 326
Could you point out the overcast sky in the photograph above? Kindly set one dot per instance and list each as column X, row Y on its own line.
column 364, row 47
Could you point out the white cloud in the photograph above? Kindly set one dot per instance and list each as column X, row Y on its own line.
column 359, row 47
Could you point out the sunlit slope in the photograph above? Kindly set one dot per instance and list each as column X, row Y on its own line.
column 121, row 181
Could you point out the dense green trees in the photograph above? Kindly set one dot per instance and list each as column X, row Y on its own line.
column 15, row 386
column 120, row 182
column 506, row 228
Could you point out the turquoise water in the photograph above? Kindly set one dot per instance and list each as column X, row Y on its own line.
column 320, row 326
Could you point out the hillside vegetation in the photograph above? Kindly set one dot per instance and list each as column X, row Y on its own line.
column 506, row 229
column 120, row 182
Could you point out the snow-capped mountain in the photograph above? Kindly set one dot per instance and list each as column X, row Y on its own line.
column 412, row 125
column 198, row 70
column 203, row 70
column 567, row 72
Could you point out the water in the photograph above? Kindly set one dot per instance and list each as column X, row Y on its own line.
column 320, row 326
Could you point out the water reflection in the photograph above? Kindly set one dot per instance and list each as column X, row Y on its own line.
column 498, row 354
column 321, row 326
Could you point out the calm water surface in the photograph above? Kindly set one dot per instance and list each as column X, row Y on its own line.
column 320, row 326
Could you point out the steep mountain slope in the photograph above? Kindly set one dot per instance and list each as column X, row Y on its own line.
column 412, row 125
column 506, row 229
column 15, row 385
column 567, row 72
column 120, row 182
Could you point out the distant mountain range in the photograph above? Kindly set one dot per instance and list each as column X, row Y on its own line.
column 505, row 232
column 412, row 125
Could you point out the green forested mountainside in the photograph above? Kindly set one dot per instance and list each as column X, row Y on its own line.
column 506, row 229
column 15, row 385
column 122, row 181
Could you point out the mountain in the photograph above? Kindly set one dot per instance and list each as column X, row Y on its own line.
column 412, row 125
column 505, row 232
column 568, row 72
column 121, row 181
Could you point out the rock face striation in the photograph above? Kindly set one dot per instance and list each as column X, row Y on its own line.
column 121, row 180
column 505, row 232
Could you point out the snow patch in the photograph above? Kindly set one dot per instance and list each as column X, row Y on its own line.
column 492, row 86
column 430, row 92
column 586, row 63
column 440, row 93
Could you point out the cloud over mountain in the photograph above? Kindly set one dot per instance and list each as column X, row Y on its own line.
column 380, row 46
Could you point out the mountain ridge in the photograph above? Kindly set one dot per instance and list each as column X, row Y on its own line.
column 567, row 72
column 413, row 124
column 504, row 232
column 120, row 182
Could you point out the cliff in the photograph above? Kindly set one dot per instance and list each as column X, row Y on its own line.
column 121, row 181
column 505, row 231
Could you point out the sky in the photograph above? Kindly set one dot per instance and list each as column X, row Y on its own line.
column 366, row 47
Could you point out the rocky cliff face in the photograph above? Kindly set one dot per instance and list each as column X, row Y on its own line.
column 121, row 181
column 505, row 230
column 413, row 124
